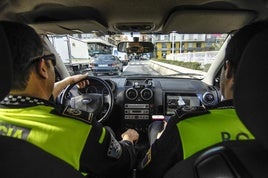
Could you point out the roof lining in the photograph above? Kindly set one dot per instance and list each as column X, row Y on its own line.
column 204, row 20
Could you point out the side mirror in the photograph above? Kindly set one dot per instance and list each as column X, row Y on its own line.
column 135, row 47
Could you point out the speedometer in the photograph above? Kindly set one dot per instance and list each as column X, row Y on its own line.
column 105, row 91
column 91, row 89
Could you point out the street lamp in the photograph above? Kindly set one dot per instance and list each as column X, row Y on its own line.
column 180, row 42
column 173, row 45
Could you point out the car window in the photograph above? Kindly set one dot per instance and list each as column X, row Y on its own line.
column 105, row 58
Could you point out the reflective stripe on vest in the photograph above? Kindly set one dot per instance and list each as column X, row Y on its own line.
column 61, row 136
column 202, row 131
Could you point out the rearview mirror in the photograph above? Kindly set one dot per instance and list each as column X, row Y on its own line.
column 135, row 47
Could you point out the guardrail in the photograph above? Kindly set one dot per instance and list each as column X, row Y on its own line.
column 203, row 58
column 169, row 69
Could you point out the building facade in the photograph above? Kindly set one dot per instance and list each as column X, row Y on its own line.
column 183, row 43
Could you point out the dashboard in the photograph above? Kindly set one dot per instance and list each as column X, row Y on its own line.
column 138, row 100
column 144, row 97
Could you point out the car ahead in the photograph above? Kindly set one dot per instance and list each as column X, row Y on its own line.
column 189, row 40
column 123, row 57
column 106, row 64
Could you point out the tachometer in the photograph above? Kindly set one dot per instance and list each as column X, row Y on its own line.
column 91, row 89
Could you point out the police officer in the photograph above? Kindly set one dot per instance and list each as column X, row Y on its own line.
column 193, row 129
column 27, row 112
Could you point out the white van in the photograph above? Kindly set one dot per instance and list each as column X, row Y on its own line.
column 122, row 56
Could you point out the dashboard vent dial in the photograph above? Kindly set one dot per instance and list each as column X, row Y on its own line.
column 131, row 93
column 208, row 98
column 146, row 94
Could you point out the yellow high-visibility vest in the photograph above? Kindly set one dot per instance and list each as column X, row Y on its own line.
column 61, row 136
column 205, row 130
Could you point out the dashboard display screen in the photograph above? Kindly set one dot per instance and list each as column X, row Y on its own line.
column 173, row 99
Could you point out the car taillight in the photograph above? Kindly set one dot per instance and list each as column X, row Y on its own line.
column 114, row 64
column 93, row 65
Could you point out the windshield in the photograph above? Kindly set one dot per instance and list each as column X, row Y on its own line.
column 174, row 54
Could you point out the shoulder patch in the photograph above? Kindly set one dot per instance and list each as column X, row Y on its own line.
column 184, row 112
column 77, row 114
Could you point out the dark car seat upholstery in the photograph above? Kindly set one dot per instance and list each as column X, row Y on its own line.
column 234, row 159
column 251, row 97
column 5, row 66
column 247, row 158
column 18, row 158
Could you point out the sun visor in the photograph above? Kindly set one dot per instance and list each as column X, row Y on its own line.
column 70, row 27
column 207, row 21
column 58, row 19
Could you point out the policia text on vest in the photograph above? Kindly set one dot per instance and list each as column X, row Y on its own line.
column 14, row 131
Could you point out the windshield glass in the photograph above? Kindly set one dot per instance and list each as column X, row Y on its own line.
column 104, row 57
column 174, row 54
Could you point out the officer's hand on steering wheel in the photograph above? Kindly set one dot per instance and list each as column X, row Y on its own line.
column 79, row 77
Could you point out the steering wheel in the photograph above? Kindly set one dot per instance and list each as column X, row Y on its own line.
column 98, row 103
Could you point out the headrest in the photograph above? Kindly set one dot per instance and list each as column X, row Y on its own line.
column 5, row 65
column 250, row 92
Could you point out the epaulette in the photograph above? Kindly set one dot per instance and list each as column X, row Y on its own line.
column 184, row 112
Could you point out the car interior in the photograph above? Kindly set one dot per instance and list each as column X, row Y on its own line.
column 135, row 100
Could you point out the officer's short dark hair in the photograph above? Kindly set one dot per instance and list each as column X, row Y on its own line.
column 239, row 41
column 25, row 44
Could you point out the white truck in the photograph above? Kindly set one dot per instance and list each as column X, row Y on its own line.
column 72, row 51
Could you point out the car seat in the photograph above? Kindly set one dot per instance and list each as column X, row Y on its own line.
column 5, row 67
column 247, row 158
column 18, row 158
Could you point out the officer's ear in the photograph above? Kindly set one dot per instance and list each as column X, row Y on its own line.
column 228, row 70
column 42, row 69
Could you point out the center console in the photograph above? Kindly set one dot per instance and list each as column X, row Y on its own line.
column 138, row 109
column 139, row 102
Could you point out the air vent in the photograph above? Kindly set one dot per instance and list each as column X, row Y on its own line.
column 208, row 98
column 131, row 94
column 146, row 94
